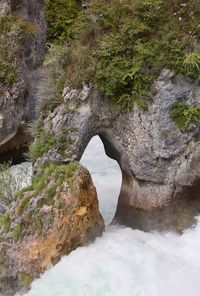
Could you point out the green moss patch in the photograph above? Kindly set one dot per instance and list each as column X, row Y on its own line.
column 5, row 222
column 25, row 279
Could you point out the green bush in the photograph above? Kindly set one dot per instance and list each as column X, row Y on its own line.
column 7, row 72
column 60, row 16
column 191, row 64
column 43, row 143
column 122, row 45
column 46, row 140
column 185, row 116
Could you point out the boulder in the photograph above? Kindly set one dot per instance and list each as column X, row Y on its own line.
column 56, row 214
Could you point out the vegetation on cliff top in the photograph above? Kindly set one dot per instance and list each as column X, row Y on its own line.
column 121, row 46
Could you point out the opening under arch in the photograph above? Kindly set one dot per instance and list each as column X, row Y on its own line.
column 106, row 175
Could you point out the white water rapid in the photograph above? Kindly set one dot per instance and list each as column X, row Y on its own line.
column 124, row 262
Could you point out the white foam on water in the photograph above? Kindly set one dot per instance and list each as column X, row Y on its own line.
column 22, row 174
column 124, row 262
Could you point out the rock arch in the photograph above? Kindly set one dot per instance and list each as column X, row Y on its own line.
column 157, row 159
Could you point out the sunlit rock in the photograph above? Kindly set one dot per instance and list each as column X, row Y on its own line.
column 50, row 218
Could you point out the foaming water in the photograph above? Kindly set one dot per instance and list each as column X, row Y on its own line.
column 124, row 262
column 127, row 262
column 22, row 174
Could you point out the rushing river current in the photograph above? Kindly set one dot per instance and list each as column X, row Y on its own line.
column 124, row 262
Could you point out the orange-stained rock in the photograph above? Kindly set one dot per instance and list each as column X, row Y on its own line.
column 48, row 228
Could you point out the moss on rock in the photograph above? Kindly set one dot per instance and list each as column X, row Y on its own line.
column 25, row 279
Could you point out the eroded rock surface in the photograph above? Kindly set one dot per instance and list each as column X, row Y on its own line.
column 24, row 52
column 160, row 162
column 53, row 217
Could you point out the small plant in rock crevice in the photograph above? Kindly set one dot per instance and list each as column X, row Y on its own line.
column 46, row 141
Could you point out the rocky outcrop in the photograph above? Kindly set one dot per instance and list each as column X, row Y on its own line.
column 58, row 213
column 22, row 45
column 160, row 163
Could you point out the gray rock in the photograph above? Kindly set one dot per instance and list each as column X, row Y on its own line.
column 160, row 163
column 17, row 101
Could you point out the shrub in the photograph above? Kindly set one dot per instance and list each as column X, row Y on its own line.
column 51, row 86
column 44, row 142
column 7, row 73
column 121, row 46
column 60, row 16
column 191, row 64
column 185, row 116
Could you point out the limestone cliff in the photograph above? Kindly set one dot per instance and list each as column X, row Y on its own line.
column 58, row 213
column 131, row 77
column 160, row 162
column 22, row 45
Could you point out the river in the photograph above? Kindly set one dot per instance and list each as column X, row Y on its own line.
column 124, row 262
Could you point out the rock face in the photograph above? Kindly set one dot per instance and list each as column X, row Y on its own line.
column 25, row 52
column 47, row 225
column 160, row 163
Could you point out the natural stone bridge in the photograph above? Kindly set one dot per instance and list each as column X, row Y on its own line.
column 160, row 163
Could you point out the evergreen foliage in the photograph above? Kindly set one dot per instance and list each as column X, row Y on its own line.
column 186, row 116
column 121, row 46
column 60, row 16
